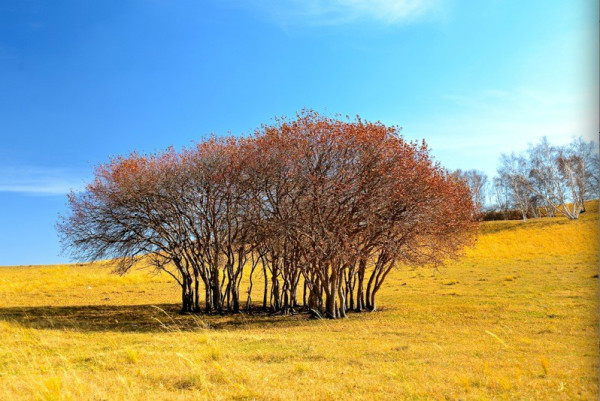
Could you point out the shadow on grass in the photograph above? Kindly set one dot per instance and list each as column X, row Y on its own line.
column 139, row 318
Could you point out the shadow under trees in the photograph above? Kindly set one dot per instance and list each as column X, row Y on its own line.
column 318, row 209
column 139, row 318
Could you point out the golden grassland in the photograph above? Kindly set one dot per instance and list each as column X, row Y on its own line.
column 517, row 318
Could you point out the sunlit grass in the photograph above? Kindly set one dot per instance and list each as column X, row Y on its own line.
column 517, row 318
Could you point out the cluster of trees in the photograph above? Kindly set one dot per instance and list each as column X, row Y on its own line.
column 314, row 211
column 477, row 182
column 545, row 180
column 548, row 179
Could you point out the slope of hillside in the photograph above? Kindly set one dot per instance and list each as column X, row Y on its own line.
column 517, row 318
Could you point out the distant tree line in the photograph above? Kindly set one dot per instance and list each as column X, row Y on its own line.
column 546, row 180
column 315, row 212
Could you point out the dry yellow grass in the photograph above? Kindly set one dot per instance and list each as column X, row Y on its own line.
column 517, row 318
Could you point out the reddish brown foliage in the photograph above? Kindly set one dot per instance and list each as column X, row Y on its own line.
column 333, row 205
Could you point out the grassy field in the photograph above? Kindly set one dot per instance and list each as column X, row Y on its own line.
column 517, row 318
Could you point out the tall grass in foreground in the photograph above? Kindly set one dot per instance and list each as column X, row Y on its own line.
column 516, row 319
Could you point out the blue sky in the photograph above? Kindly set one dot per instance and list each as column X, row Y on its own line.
column 83, row 80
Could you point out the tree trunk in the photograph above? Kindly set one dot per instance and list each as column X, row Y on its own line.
column 216, row 291
column 235, row 297
column 275, row 295
column 266, row 287
column 184, row 297
column 342, row 299
column 304, row 293
column 196, row 292
column 208, row 299
column 330, row 310
column 249, row 298
column 360, row 292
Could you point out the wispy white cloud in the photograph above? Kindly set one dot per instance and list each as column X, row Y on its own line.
column 40, row 181
column 334, row 12
column 481, row 126
column 552, row 92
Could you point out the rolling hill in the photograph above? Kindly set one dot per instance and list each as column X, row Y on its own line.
column 516, row 318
